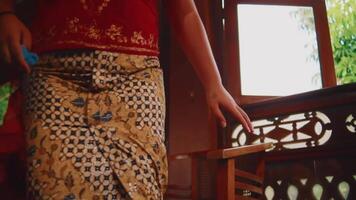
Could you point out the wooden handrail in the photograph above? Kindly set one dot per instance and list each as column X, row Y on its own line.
column 238, row 151
column 223, row 153
column 325, row 97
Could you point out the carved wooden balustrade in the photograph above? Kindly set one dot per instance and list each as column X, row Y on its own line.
column 216, row 175
column 314, row 137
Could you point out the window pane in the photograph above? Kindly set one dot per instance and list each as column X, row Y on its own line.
column 278, row 55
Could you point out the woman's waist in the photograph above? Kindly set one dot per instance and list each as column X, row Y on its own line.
column 95, row 70
column 88, row 60
column 136, row 44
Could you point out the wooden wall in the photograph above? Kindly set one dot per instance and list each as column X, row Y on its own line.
column 190, row 127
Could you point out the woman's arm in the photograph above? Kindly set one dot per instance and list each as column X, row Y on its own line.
column 13, row 34
column 191, row 35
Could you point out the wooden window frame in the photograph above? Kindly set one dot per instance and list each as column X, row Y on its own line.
column 231, row 45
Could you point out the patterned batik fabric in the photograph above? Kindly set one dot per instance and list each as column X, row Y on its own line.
column 95, row 127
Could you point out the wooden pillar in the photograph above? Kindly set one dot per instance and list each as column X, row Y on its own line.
column 195, row 175
column 226, row 180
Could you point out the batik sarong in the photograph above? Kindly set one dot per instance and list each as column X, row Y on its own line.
column 95, row 127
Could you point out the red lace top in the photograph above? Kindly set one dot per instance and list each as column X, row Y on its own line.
column 128, row 26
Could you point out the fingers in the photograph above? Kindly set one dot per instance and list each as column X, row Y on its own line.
column 17, row 56
column 5, row 54
column 237, row 114
column 219, row 115
column 246, row 117
column 26, row 39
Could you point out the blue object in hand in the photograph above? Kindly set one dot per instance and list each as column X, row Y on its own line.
column 30, row 58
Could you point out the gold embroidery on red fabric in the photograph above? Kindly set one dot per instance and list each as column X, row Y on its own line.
column 73, row 26
column 99, row 8
column 84, row 4
column 137, row 38
column 114, row 33
column 93, row 33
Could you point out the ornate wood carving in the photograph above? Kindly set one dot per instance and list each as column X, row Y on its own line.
column 315, row 143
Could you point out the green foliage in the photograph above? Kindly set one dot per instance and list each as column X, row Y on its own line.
column 5, row 91
column 342, row 24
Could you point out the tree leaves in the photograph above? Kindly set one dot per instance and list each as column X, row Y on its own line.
column 342, row 24
column 5, row 91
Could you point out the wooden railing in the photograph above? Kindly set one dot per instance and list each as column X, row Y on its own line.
column 313, row 154
column 227, row 180
column 314, row 135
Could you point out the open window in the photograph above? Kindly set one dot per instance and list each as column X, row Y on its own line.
column 276, row 48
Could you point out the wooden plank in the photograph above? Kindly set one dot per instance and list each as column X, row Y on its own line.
column 179, row 187
column 277, row 2
column 194, row 179
column 317, row 99
column 238, row 151
column 226, row 180
column 248, row 175
column 245, row 186
column 238, row 197
column 187, row 155
column 177, row 196
column 232, row 55
column 324, row 44
column 313, row 153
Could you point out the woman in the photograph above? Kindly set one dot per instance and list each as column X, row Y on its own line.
column 94, row 114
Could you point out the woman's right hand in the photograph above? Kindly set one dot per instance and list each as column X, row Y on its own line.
column 13, row 34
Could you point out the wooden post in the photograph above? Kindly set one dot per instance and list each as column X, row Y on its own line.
column 226, row 180
column 260, row 170
column 195, row 175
